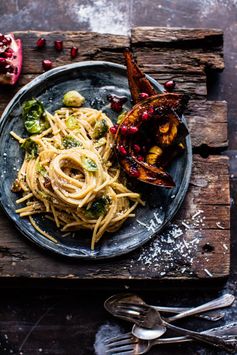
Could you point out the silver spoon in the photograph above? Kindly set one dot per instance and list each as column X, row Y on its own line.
column 154, row 316
column 158, row 329
column 112, row 303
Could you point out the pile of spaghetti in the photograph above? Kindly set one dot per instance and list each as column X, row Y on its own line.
column 70, row 175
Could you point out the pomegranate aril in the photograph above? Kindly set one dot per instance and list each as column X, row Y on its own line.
column 74, row 52
column 140, row 158
column 136, row 148
column 124, row 130
column 134, row 172
column 113, row 129
column 133, row 130
column 143, row 96
column 8, row 53
column 169, row 85
column 145, row 116
column 41, row 42
column 47, row 64
column 3, row 62
column 9, row 69
column 116, row 102
column 122, row 150
column 58, row 45
column 151, row 110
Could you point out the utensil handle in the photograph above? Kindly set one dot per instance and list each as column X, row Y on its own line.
column 217, row 341
column 220, row 302
column 209, row 315
column 226, row 330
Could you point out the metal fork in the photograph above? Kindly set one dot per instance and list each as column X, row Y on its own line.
column 127, row 344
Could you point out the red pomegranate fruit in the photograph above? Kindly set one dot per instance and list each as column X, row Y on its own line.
column 10, row 59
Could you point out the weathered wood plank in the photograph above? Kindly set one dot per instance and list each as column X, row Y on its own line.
column 199, row 237
column 207, row 193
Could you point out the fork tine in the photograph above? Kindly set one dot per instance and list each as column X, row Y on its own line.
column 121, row 350
column 125, row 336
column 120, row 353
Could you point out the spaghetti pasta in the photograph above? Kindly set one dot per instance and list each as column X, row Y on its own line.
column 69, row 174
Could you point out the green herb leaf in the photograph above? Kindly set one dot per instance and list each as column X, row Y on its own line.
column 98, row 207
column 100, row 129
column 89, row 164
column 40, row 169
column 70, row 142
column 33, row 113
column 30, row 147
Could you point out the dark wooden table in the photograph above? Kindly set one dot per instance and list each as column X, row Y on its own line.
column 63, row 317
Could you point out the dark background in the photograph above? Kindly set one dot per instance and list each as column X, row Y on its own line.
column 63, row 318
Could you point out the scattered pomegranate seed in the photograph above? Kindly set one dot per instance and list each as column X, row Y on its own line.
column 124, row 130
column 145, row 116
column 114, row 129
column 47, row 64
column 169, row 85
column 133, row 130
column 41, row 42
column 140, row 158
column 74, row 52
column 134, row 172
column 58, row 45
column 143, row 96
column 116, row 102
column 136, row 148
column 122, row 150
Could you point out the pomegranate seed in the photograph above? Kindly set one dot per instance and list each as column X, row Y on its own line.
column 134, row 172
column 124, row 130
column 41, row 42
column 133, row 130
column 9, row 69
column 8, row 53
column 74, row 52
column 145, row 116
column 1, row 36
column 169, row 85
column 143, row 96
column 3, row 62
column 116, row 102
column 47, row 64
column 151, row 110
column 140, row 158
column 58, row 45
column 8, row 40
column 137, row 148
column 122, row 150
column 113, row 129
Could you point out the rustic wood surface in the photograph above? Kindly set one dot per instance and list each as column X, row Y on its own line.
column 187, row 56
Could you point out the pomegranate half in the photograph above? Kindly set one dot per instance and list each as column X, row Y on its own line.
column 10, row 59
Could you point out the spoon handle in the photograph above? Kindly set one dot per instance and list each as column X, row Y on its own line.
column 228, row 345
column 220, row 302
column 226, row 330
column 209, row 315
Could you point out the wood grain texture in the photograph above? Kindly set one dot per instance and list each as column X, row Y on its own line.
column 183, row 55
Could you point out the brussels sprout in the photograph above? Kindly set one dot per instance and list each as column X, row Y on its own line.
column 88, row 164
column 100, row 129
column 70, row 142
column 73, row 99
column 98, row 207
column 30, row 147
column 72, row 122
column 33, row 113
